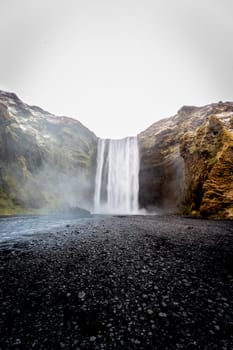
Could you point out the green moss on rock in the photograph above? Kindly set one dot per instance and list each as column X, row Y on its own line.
column 44, row 160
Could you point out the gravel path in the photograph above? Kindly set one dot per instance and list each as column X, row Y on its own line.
column 136, row 282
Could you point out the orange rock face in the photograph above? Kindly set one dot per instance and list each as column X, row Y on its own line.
column 217, row 198
column 187, row 162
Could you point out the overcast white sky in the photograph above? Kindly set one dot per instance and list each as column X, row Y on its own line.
column 117, row 66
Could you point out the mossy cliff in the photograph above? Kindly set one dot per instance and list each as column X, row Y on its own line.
column 187, row 162
column 49, row 162
column 45, row 161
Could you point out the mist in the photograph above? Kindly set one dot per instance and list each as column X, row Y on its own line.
column 61, row 190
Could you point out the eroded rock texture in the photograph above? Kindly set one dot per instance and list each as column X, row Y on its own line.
column 187, row 162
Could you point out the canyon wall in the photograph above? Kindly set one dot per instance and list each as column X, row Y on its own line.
column 45, row 161
column 187, row 162
column 49, row 162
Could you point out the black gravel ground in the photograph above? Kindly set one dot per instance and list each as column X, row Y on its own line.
column 136, row 282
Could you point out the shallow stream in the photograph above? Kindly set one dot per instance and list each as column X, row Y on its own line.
column 16, row 227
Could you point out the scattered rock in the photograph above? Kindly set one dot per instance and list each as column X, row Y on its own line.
column 81, row 295
column 73, row 291
column 92, row 338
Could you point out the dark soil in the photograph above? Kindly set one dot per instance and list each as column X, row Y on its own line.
column 136, row 282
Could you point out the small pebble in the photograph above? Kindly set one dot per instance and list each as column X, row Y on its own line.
column 81, row 295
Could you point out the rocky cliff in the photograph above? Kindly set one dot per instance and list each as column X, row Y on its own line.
column 49, row 162
column 187, row 162
column 45, row 161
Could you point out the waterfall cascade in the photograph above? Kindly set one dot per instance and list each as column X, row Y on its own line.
column 117, row 176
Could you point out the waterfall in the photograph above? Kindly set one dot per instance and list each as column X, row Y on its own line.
column 116, row 182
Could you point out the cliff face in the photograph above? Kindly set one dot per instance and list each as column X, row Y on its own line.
column 208, row 155
column 45, row 161
column 186, row 162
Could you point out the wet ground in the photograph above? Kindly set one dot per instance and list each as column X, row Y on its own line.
column 135, row 282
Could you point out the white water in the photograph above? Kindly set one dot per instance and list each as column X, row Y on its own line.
column 117, row 185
